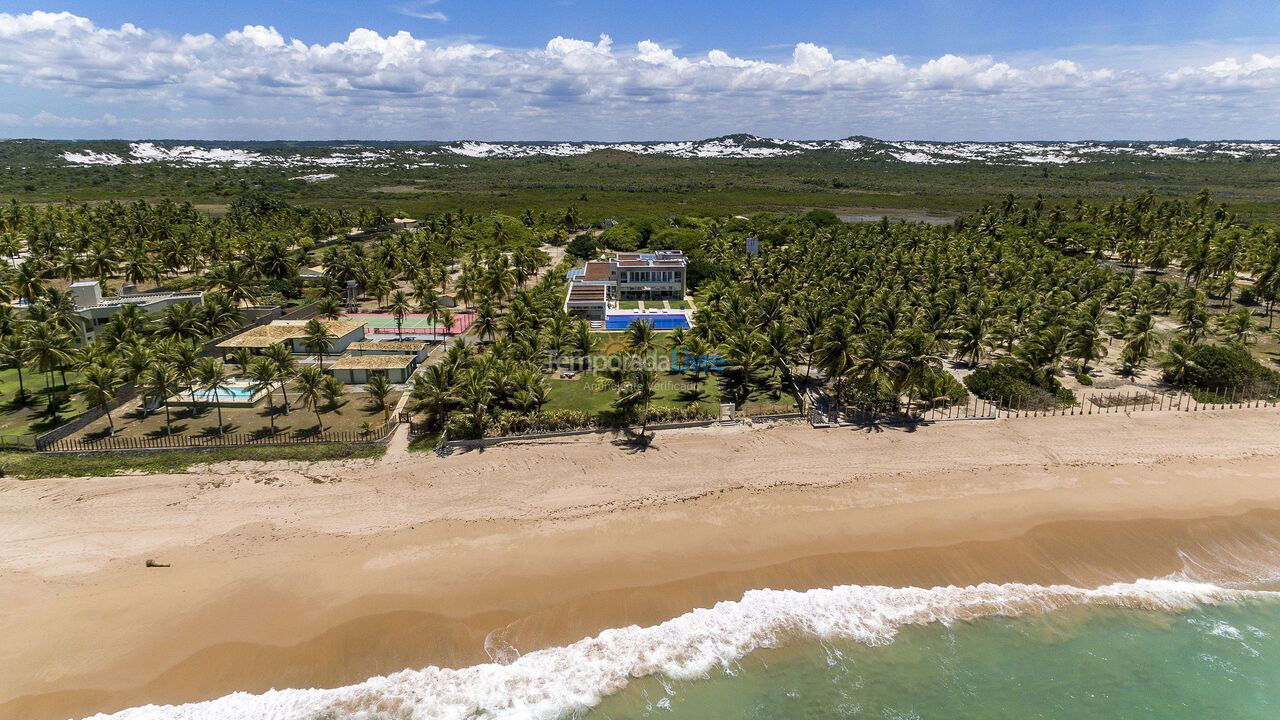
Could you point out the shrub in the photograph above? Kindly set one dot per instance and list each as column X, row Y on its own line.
column 1230, row 366
column 941, row 387
column 582, row 247
column 1015, row 386
column 543, row 421
column 621, row 238
column 822, row 217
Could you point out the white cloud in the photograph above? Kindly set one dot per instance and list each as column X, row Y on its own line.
column 1259, row 71
column 399, row 85
column 422, row 11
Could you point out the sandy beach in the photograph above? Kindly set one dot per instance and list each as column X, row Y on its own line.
column 287, row 575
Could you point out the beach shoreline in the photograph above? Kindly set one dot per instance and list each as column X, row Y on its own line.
column 294, row 576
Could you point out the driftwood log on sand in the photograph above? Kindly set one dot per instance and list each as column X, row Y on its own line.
column 153, row 563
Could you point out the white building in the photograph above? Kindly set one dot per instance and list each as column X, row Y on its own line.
column 661, row 275
column 97, row 310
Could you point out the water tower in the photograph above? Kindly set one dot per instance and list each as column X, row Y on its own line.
column 349, row 295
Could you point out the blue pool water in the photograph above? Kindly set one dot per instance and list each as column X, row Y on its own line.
column 231, row 394
column 659, row 322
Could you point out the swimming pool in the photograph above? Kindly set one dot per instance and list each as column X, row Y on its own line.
column 236, row 395
column 659, row 322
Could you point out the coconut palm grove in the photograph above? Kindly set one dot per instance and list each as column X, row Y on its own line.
column 1023, row 303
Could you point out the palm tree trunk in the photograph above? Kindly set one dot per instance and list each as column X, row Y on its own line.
column 217, row 399
column 168, row 421
column 22, row 389
column 111, row 424
column 286, row 397
column 319, row 422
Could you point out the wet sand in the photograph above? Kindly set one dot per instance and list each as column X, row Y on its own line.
column 289, row 576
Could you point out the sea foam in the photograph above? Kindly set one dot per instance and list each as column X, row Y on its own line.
column 548, row 683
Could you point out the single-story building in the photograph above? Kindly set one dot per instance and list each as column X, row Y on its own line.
column 352, row 369
column 292, row 333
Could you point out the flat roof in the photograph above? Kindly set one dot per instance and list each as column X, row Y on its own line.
column 596, row 271
column 371, row 362
column 586, row 293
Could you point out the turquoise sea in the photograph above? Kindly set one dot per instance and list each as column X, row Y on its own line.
column 1220, row 661
column 1165, row 648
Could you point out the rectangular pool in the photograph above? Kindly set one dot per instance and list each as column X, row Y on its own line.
column 234, row 396
column 659, row 322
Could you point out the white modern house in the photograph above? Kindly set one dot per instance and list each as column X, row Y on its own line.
column 660, row 275
column 97, row 310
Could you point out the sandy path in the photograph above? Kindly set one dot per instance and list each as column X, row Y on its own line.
column 290, row 574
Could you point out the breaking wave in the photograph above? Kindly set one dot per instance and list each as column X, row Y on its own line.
column 549, row 683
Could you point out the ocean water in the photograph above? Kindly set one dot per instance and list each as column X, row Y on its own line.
column 1211, row 662
column 1165, row 648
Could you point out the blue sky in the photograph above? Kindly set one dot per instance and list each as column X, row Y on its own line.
column 644, row 69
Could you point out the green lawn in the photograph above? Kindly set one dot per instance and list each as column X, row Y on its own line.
column 629, row 304
column 31, row 418
column 674, row 390
column 678, row 304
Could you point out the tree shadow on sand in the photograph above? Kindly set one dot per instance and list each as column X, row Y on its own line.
column 633, row 442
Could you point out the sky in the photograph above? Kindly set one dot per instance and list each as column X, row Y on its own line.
column 639, row 70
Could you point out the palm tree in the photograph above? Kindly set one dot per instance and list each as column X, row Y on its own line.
column 446, row 321
column 972, row 339
column 264, row 373
column 331, row 388
column 1143, row 339
column 743, row 360
column 640, row 338
column 183, row 321
column 311, row 390
column 399, row 307
column 379, row 389
column 99, row 384
column 212, row 377
column 583, row 342
column 329, row 308
column 13, row 356
column 486, row 322
column 1238, row 326
column 242, row 357
column 837, row 349
column 184, row 357
column 635, row 392
column 880, row 359
column 1086, row 345
column 49, row 349
column 235, row 280
column 433, row 393
column 316, row 339
column 160, row 381
column 809, row 321
column 1178, row 361
column 286, row 366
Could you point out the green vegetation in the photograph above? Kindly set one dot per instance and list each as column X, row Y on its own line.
column 32, row 416
column 1026, row 292
column 621, row 185
column 33, row 465
column 1214, row 368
